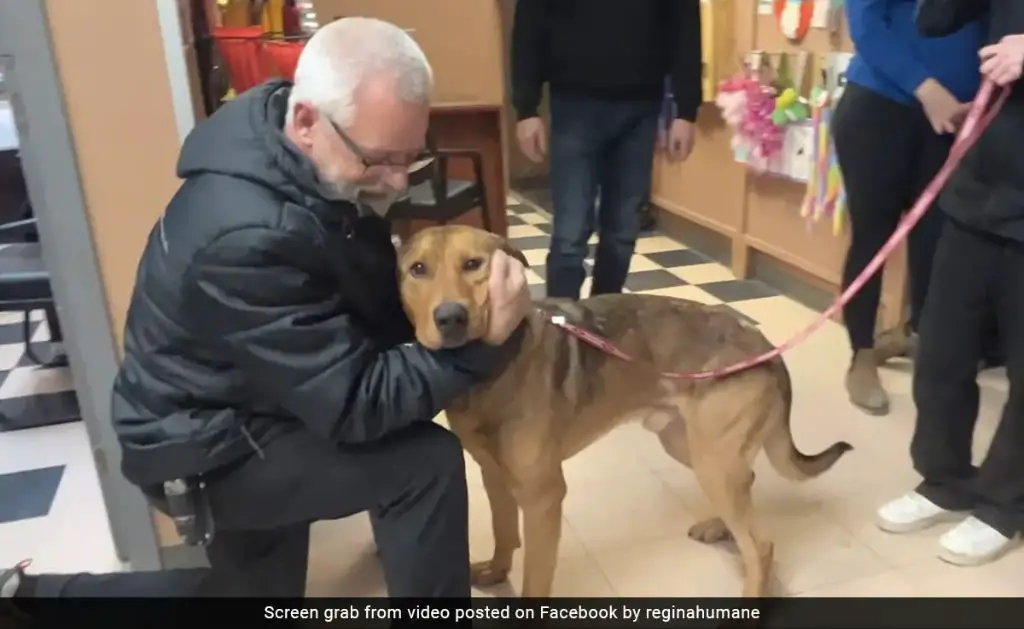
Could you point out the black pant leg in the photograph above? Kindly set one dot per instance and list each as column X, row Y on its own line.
column 951, row 342
column 188, row 583
column 924, row 238
column 30, row 605
column 270, row 563
column 413, row 482
column 877, row 141
column 1000, row 480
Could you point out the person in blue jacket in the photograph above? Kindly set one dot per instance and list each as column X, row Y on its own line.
column 893, row 127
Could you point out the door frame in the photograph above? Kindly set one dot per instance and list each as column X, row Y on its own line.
column 52, row 177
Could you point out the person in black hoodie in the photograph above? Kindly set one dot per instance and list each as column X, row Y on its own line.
column 606, row 63
column 266, row 352
column 978, row 275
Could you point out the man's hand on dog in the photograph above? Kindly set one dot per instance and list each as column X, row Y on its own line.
column 510, row 297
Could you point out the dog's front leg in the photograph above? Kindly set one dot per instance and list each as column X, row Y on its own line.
column 542, row 528
column 505, row 522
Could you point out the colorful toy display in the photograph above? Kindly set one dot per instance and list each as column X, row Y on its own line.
column 748, row 106
column 789, row 107
column 826, row 196
column 761, row 106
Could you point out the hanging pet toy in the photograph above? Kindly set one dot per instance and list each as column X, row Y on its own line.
column 814, row 198
column 826, row 195
column 836, row 197
column 789, row 107
column 816, row 201
column 794, row 17
column 747, row 106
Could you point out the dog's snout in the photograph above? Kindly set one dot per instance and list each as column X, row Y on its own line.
column 451, row 319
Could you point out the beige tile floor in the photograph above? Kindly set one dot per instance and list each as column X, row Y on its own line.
column 629, row 506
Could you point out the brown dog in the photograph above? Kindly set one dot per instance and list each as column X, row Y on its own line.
column 560, row 395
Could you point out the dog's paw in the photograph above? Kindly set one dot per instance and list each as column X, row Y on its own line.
column 710, row 531
column 483, row 574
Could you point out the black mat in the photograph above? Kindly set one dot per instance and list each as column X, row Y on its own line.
column 29, row 493
column 36, row 411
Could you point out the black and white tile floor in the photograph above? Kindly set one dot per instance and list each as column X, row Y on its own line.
column 26, row 389
column 661, row 266
column 51, row 508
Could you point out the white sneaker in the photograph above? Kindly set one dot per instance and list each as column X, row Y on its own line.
column 913, row 512
column 973, row 543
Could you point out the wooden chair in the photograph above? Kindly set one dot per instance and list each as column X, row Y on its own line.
column 435, row 197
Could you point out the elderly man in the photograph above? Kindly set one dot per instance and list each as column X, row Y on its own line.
column 266, row 350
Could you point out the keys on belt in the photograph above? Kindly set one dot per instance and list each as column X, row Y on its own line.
column 189, row 509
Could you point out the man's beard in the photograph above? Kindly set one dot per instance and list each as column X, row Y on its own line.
column 338, row 190
column 379, row 201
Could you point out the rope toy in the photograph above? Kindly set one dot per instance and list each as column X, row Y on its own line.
column 826, row 195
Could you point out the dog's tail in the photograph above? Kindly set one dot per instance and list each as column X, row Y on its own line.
column 782, row 453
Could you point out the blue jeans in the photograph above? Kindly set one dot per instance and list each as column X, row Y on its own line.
column 597, row 147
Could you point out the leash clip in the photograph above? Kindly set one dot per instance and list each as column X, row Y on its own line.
column 558, row 320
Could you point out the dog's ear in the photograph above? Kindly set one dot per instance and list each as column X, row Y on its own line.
column 515, row 253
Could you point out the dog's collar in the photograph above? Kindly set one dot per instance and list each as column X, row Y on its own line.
column 561, row 321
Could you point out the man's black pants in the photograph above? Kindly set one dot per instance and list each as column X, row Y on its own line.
column 413, row 483
column 976, row 277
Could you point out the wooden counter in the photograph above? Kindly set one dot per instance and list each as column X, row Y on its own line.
column 761, row 214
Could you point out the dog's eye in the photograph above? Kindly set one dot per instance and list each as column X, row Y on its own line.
column 473, row 264
column 417, row 269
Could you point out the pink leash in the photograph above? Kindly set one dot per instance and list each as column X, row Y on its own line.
column 978, row 119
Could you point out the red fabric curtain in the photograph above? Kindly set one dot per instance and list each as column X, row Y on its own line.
column 242, row 51
column 283, row 56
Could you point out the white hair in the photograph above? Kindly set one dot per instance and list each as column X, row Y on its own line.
column 342, row 54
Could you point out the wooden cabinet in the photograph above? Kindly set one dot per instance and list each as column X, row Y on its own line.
column 461, row 38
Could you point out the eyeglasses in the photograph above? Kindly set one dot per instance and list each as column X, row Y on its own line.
column 404, row 162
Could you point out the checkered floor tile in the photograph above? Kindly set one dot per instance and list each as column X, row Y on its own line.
column 30, row 393
column 661, row 265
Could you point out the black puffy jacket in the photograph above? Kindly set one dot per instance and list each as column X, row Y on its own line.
column 986, row 192
column 260, row 307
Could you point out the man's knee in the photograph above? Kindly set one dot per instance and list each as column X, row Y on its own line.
column 435, row 452
column 570, row 246
column 622, row 232
column 929, row 382
column 947, row 360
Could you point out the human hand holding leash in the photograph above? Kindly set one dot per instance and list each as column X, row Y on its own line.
column 532, row 138
column 944, row 111
column 509, row 297
column 1003, row 62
